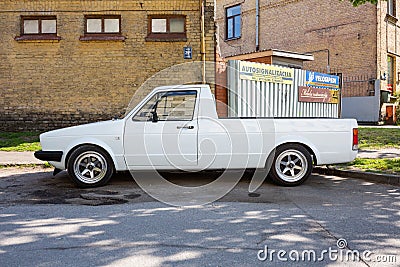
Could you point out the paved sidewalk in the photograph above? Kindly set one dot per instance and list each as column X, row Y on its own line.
column 18, row 158
column 385, row 153
column 380, row 126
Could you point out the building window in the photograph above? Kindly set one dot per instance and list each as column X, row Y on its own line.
column 38, row 28
column 391, row 7
column 102, row 28
column 168, row 28
column 39, row 25
column 103, row 24
column 391, row 80
column 233, row 22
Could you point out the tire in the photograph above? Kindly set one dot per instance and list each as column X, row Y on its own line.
column 90, row 166
column 292, row 165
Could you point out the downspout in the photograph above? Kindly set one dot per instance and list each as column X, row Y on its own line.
column 328, row 67
column 257, row 25
column 203, row 42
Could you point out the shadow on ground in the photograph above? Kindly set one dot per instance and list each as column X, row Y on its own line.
column 142, row 232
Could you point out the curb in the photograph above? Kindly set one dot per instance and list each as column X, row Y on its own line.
column 7, row 165
column 390, row 179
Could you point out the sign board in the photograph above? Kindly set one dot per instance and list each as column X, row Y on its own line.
column 276, row 93
column 318, row 95
column 322, row 80
column 187, row 52
column 265, row 73
column 389, row 87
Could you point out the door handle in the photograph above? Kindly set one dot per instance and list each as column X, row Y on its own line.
column 185, row 127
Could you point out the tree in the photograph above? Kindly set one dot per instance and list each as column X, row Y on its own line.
column 361, row 2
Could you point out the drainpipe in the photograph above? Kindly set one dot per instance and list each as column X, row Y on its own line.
column 328, row 67
column 203, row 42
column 257, row 25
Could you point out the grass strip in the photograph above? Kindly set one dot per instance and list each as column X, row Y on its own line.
column 378, row 138
column 389, row 166
column 20, row 141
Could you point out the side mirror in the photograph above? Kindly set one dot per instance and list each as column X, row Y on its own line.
column 154, row 117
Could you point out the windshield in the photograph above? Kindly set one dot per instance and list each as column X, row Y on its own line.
column 134, row 102
column 145, row 90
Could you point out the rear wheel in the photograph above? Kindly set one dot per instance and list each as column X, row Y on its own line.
column 292, row 165
column 90, row 166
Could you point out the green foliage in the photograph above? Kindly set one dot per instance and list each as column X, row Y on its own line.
column 21, row 141
column 361, row 2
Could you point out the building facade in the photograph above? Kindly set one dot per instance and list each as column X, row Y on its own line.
column 358, row 43
column 64, row 63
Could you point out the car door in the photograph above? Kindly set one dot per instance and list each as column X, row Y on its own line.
column 163, row 133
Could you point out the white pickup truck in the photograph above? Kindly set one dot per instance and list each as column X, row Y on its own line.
column 177, row 128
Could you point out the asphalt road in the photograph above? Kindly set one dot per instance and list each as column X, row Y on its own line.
column 46, row 221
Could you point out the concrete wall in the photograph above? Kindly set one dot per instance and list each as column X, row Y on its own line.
column 364, row 109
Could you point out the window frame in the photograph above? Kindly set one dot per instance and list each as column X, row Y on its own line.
column 166, row 36
column 393, row 13
column 39, row 35
column 227, row 18
column 165, row 94
column 391, row 77
column 102, row 36
column 103, row 18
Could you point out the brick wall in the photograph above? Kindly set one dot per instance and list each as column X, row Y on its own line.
column 302, row 26
column 388, row 41
column 46, row 85
column 221, row 92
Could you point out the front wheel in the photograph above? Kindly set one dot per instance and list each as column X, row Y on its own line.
column 292, row 165
column 90, row 166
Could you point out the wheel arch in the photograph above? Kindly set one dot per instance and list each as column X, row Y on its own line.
column 105, row 148
column 310, row 148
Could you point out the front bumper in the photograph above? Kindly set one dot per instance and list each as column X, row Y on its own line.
column 49, row 155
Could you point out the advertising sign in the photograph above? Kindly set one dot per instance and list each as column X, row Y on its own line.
column 265, row 73
column 318, row 95
column 322, row 80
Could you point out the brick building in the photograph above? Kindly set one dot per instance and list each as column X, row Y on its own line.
column 358, row 42
column 70, row 62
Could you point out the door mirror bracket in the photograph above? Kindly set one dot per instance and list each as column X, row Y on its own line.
column 154, row 117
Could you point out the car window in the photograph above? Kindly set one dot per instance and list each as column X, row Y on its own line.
column 169, row 106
